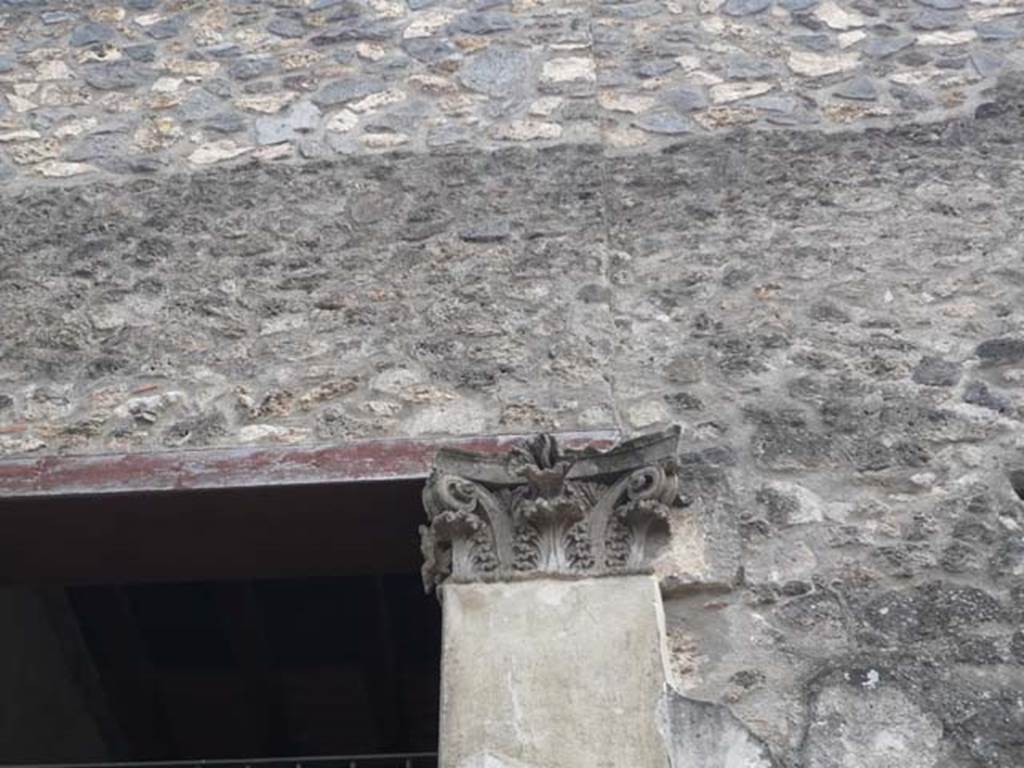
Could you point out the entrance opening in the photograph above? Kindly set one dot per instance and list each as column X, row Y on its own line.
column 249, row 625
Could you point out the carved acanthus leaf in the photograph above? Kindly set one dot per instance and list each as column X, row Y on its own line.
column 543, row 511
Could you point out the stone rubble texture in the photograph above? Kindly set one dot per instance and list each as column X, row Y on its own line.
column 793, row 228
column 146, row 87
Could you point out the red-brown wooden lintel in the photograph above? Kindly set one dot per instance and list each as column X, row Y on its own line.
column 247, row 467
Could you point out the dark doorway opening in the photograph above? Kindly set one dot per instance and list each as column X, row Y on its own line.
column 239, row 624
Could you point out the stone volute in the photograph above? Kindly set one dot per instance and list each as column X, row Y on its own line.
column 540, row 510
column 551, row 613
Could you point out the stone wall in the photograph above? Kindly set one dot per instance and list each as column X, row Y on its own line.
column 93, row 88
column 546, row 217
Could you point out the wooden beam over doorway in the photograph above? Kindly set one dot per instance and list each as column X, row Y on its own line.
column 216, row 468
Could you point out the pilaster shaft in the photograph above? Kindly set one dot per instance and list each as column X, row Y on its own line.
column 554, row 644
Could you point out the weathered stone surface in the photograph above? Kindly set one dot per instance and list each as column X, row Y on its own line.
column 115, row 76
column 880, row 47
column 724, row 93
column 745, row 7
column 542, row 511
column 997, row 31
column 838, row 16
column 484, row 23
column 497, row 71
column 865, row 723
column 931, row 611
column 936, row 372
column 263, row 56
column 823, row 292
column 858, row 89
column 581, row 649
column 816, row 65
column 250, row 67
column 354, row 30
column 664, row 122
column 343, row 91
column 942, row 38
column 978, row 393
column 90, row 34
column 1002, row 351
column 283, row 26
column 708, row 736
column 931, row 19
column 300, row 118
column 685, row 99
column 743, row 67
column 217, row 151
column 167, row 27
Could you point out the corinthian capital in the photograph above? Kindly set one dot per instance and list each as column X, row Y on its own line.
column 542, row 511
